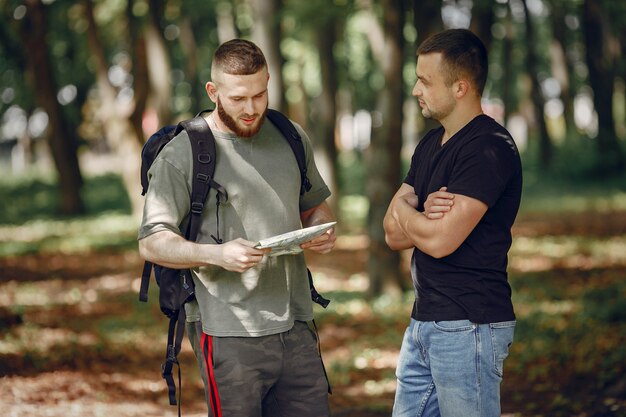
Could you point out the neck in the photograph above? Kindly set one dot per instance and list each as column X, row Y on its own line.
column 214, row 122
column 456, row 120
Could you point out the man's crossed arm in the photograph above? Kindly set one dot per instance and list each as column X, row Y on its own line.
column 439, row 230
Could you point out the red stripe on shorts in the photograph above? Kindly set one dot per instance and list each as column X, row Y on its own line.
column 214, row 398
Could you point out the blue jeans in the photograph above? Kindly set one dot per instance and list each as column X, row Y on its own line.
column 451, row 369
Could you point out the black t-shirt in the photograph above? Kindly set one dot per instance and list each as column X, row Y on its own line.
column 480, row 161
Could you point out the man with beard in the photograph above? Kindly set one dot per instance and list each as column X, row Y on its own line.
column 256, row 351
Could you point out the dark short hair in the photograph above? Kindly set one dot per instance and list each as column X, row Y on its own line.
column 238, row 57
column 463, row 54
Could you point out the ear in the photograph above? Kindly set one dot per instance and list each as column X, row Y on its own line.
column 211, row 90
column 462, row 87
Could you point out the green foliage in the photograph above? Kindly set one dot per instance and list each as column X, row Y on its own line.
column 29, row 222
column 551, row 193
column 352, row 173
column 27, row 199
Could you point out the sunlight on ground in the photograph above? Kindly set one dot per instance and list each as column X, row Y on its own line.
column 67, row 236
column 61, row 291
column 377, row 359
column 73, row 394
column 547, row 252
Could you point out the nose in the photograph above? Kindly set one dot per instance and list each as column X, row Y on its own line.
column 248, row 107
column 416, row 91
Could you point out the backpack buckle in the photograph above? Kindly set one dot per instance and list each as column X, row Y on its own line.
column 197, row 208
column 202, row 177
column 204, row 158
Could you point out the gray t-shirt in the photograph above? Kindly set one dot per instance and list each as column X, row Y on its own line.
column 262, row 179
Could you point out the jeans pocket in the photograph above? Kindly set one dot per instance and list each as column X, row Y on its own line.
column 501, row 340
column 454, row 325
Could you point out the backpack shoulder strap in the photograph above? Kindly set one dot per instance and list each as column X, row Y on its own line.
column 294, row 139
column 290, row 133
column 203, row 154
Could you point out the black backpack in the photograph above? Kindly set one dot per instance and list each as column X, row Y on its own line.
column 176, row 286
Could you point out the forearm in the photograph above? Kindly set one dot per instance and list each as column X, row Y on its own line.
column 173, row 251
column 439, row 237
column 318, row 215
column 419, row 231
column 395, row 238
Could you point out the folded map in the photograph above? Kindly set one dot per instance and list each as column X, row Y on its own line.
column 289, row 243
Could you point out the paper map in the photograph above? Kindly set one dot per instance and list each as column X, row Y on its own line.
column 289, row 243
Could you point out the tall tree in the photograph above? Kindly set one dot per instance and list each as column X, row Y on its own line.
column 427, row 20
column 532, row 64
column 12, row 49
column 189, row 47
column 482, row 21
column 383, row 156
column 324, row 116
column 62, row 139
column 226, row 28
column 601, row 56
column 159, row 65
column 507, row 83
column 562, row 67
column 120, row 121
column 141, row 72
column 267, row 35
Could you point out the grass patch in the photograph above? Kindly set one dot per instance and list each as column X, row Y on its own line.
column 105, row 232
column 553, row 195
column 30, row 223
column 27, row 199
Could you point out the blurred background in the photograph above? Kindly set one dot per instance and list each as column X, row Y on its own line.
column 84, row 83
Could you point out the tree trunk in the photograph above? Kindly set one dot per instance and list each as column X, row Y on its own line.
column 226, row 28
column 141, row 78
column 601, row 60
column 427, row 20
column 267, row 35
column 482, row 21
column 561, row 67
column 117, row 120
column 159, row 65
column 545, row 145
column 383, row 155
column 507, row 74
column 190, row 49
column 324, row 116
column 61, row 138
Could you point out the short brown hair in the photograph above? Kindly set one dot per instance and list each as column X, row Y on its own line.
column 463, row 54
column 238, row 57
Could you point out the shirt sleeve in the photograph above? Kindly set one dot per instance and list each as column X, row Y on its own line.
column 167, row 200
column 319, row 191
column 484, row 167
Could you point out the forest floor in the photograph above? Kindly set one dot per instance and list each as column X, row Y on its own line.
column 74, row 341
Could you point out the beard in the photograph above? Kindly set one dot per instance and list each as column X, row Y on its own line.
column 231, row 123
